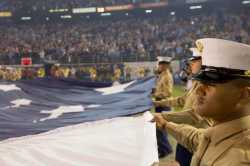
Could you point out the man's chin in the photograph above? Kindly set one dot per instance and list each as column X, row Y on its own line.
column 202, row 111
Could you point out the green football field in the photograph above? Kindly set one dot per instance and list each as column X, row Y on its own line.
column 178, row 91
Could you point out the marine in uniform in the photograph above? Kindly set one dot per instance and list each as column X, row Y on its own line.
column 164, row 83
column 187, row 100
column 141, row 72
column 66, row 72
column 223, row 94
column 188, row 115
column 117, row 74
column 41, row 72
column 93, row 73
column 163, row 89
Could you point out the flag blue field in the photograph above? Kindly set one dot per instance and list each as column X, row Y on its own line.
column 35, row 106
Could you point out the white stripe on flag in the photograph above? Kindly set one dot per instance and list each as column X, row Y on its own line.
column 120, row 141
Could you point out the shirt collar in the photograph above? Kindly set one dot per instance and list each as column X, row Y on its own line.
column 219, row 132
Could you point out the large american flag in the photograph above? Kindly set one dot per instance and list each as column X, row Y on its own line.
column 47, row 122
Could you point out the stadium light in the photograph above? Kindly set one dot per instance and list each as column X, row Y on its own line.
column 5, row 14
column 84, row 10
column 25, row 18
column 148, row 11
column 172, row 13
column 195, row 1
column 66, row 17
column 245, row 2
column 195, row 7
column 58, row 10
column 47, row 18
column 106, row 14
column 100, row 9
column 126, row 14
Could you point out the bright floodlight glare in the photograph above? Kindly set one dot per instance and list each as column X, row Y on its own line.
column 106, row 14
column 25, row 18
column 195, row 7
column 148, row 11
column 245, row 2
column 66, row 16
column 172, row 13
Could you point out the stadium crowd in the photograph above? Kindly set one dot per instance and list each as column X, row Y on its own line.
column 132, row 39
column 89, row 72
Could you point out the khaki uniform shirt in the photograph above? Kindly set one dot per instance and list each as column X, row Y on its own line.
column 189, row 117
column 164, row 85
column 186, row 101
column 226, row 144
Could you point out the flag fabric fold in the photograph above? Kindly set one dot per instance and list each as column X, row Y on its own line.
column 120, row 141
column 35, row 106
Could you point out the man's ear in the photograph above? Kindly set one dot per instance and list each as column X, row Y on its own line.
column 245, row 96
column 247, row 92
